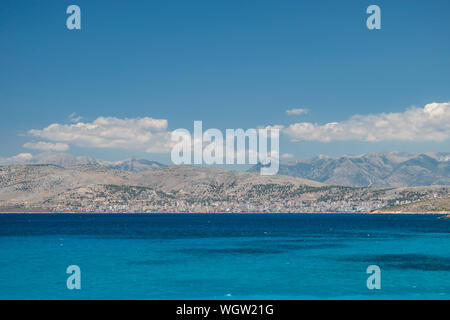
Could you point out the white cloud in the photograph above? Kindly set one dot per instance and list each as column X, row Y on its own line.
column 74, row 118
column 22, row 156
column 46, row 146
column 431, row 123
column 142, row 134
column 18, row 159
column 296, row 112
column 287, row 156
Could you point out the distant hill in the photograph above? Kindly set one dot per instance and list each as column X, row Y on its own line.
column 385, row 170
column 37, row 186
column 133, row 165
column 96, row 188
column 48, row 180
column 67, row 160
column 391, row 169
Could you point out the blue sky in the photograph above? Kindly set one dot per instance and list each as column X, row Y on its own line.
column 232, row 64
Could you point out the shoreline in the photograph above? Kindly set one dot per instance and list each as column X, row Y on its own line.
column 412, row 213
column 444, row 214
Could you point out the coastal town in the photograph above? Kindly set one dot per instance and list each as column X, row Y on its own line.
column 132, row 199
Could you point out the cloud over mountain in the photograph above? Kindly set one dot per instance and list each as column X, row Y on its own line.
column 431, row 123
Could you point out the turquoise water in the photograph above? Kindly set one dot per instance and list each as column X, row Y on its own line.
column 200, row 256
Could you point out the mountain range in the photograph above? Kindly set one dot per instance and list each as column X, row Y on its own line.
column 44, row 185
column 388, row 169
column 65, row 160
column 94, row 188
column 381, row 169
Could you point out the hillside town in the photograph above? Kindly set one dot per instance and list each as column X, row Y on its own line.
column 132, row 199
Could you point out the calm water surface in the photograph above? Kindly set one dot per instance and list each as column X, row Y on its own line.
column 229, row 256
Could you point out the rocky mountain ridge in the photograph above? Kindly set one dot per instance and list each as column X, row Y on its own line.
column 67, row 160
column 387, row 170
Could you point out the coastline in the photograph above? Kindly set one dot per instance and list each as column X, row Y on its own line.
column 411, row 213
column 377, row 212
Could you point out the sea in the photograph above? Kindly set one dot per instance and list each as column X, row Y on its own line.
column 224, row 256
